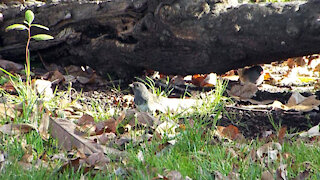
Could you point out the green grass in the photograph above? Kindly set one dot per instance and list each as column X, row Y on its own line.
column 197, row 153
column 199, row 160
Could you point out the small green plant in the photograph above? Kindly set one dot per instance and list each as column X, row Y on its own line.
column 29, row 17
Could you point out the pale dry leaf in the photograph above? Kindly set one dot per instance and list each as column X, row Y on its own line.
column 270, row 150
column 266, row 175
column 16, row 129
column 300, row 103
column 83, row 80
column 64, row 131
column 245, row 91
column 43, row 87
column 174, row 175
column 44, row 126
column 69, row 79
column 278, row 105
column 210, row 80
column 281, row 173
column 9, row 110
column 314, row 131
column 167, row 128
column 295, row 99
column 140, row 156
column 25, row 165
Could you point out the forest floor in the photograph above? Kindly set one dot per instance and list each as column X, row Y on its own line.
column 89, row 128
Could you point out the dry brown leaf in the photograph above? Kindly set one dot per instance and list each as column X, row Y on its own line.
column 108, row 126
column 86, row 124
column 11, row 66
column 301, row 103
column 97, row 159
column 86, row 80
column 85, row 119
column 230, row 132
column 198, row 79
column 245, row 91
column 140, row 118
column 15, row 129
column 54, row 76
column 103, row 138
column 295, row 99
column 75, row 164
column 178, row 80
column 44, row 126
column 281, row 134
column 305, row 174
column 8, row 86
column 64, row 131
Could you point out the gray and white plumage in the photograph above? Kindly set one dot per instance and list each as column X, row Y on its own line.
column 147, row 101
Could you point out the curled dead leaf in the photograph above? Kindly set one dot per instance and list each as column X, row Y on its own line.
column 15, row 129
column 64, row 131
column 44, row 126
column 245, row 91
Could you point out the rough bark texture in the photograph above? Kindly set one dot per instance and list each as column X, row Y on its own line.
column 172, row 36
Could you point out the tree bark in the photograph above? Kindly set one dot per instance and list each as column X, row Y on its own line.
column 123, row 37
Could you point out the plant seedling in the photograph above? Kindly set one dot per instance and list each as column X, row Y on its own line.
column 29, row 17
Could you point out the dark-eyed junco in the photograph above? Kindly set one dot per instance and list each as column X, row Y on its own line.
column 147, row 101
column 253, row 75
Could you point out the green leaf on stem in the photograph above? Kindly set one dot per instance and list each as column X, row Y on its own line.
column 40, row 26
column 42, row 37
column 29, row 16
column 17, row 27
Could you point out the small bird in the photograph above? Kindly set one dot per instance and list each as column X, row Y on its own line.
column 253, row 75
column 149, row 102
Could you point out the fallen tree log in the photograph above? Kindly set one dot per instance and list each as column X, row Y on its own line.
column 124, row 37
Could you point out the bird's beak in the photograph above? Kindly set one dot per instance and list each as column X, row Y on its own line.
column 131, row 85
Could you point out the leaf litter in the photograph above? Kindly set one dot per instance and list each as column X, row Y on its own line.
column 99, row 143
